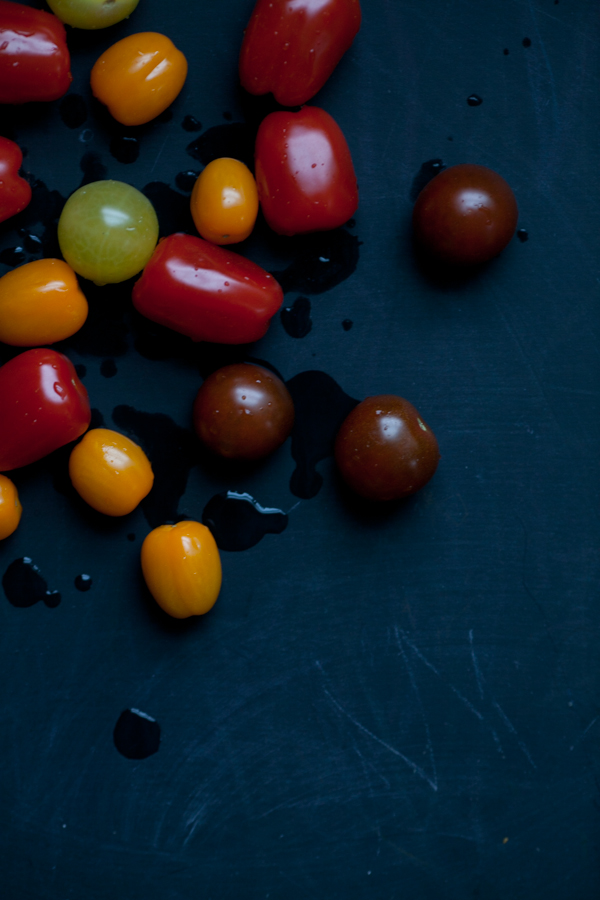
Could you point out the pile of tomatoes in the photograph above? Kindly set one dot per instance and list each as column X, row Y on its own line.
column 304, row 181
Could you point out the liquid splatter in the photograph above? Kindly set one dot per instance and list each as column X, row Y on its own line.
column 426, row 173
column 235, row 140
column 238, row 521
column 125, row 149
column 24, row 586
column 185, row 181
column 108, row 368
column 526, row 42
column 81, row 370
column 296, row 318
column 13, row 256
column 321, row 262
column 506, row 51
column 92, row 167
column 347, row 324
column 31, row 242
column 474, row 100
column 73, row 110
column 523, row 235
column 190, row 123
column 172, row 208
column 83, row 582
column 136, row 734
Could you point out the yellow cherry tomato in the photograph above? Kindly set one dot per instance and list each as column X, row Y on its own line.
column 40, row 303
column 139, row 77
column 110, row 472
column 224, row 201
column 10, row 507
column 182, row 568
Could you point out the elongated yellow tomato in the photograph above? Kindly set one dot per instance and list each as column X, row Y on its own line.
column 224, row 201
column 10, row 507
column 40, row 303
column 110, row 472
column 139, row 77
column 182, row 568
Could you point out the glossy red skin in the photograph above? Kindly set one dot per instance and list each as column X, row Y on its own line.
column 304, row 172
column 243, row 411
column 384, row 450
column 291, row 47
column 34, row 58
column 15, row 192
column 206, row 292
column 43, row 405
column 465, row 215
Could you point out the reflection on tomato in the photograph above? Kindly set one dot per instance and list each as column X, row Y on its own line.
column 110, row 472
column 304, row 172
column 224, row 201
column 384, row 450
column 15, row 192
column 291, row 47
column 10, row 507
column 243, row 411
column 34, row 59
column 182, row 568
column 466, row 215
column 91, row 14
column 139, row 77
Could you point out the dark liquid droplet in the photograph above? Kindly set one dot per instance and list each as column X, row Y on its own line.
column 108, row 368
column 321, row 407
column 92, row 167
column 13, row 256
column 506, row 51
column 83, row 582
column 73, row 110
column 523, row 234
column 31, row 242
column 235, row 140
column 81, row 370
column 322, row 261
column 125, row 149
column 136, row 735
column 227, row 115
column 296, row 318
column 190, row 123
column 526, row 42
column 24, row 585
column 474, row 100
column 238, row 522
column 426, row 173
column 347, row 324
column 44, row 209
column 185, row 181
column 131, row 536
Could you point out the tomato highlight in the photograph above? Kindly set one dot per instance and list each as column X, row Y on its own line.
column 34, row 58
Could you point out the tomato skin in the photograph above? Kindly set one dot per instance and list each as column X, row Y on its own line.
column 291, row 47
column 206, row 292
column 182, row 568
column 40, row 303
column 10, row 507
column 34, row 58
column 110, row 472
column 224, row 202
column 465, row 215
column 15, row 192
column 304, row 172
column 43, row 405
column 92, row 14
column 139, row 77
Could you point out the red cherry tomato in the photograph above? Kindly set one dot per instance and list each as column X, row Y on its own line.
column 291, row 47
column 206, row 292
column 304, row 172
column 15, row 192
column 466, row 215
column 43, row 405
column 34, row 59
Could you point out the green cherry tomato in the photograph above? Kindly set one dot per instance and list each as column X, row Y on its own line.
column 92, row 13
column 107, row 231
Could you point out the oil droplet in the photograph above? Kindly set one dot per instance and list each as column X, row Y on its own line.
column 474, row 100
column 523, row 235
column 136, row 734
column 83, row 582
column 296, row 318
column 24, row 586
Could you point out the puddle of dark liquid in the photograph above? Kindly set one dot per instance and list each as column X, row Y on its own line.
column 83, row 582
column 296, row 318
column 523, row 235
column 235, row 140
column 73, row 110
column 172, row 208
column 24, row 586
column 31, row 242
column 347, row 324
column 526, row 42
column 108, row 368
column 13, row 256
column 81, row 370
column 426, row 173
column 238, row 521
column 136, row 734
column 506, row 51
column 92, row 167
column 185, row 181
column 321, row 407
column 227, row 115
column 321, row 262
column 125, row 149
column 190, row 123
column 474, row 100
column 105, row 331
column 131, row 536
column 43, row 210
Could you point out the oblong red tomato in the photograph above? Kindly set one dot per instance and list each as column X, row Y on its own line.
column 304, row 172
column 43, row 405
column 34, row 58
column 291, row 47
column 15, row 192
column 206, row 292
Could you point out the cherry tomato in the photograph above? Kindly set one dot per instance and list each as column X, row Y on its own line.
column 466, row 215
column 34, row 59
column 10, row 507
column 206, row 292
column 304, row 172
column 43, row 405
column 15, row 192
column 40, row 303
column 224, row 201
column 107, row 231
column 139, row 77
column 90, row 14
column 291, row 47
column 243, row 411
column 110, row 472
column 384, row 450
column 182, row 568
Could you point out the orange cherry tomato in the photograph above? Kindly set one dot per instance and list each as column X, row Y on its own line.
column 139, row 77
column 10, row 507
column 40, row 303
column 224, row 201
column 110, row 472
column 182, row 568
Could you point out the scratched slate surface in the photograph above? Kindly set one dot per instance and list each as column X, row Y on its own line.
column 392, row 705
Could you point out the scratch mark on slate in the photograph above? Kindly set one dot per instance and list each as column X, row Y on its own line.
column 413, row 684
column 584, row 732
column 513, row 731
column 478, row 676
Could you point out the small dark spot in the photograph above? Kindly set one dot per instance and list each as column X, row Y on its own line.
column 228, row 116
column 13, row 256
column 136, row 735
column 347, row 324
column 185, row 181
column 523, row 235
column 190, row 123
column 108, row 368
column 526, row 42
column 426, row 173
column 24, row 585
column 474, row 100
column 81, row 370
column 73, row 110
column 125, row 149
column 505, row 51
column 131, row 536
column 450, row 138
column 296, row 318
column 83, row 582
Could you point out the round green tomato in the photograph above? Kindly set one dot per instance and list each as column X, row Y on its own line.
column 107, row 231
column 92, row 13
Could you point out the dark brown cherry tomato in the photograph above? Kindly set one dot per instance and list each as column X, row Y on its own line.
column 466, row 215
column 243, row 411
column 384, row 450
